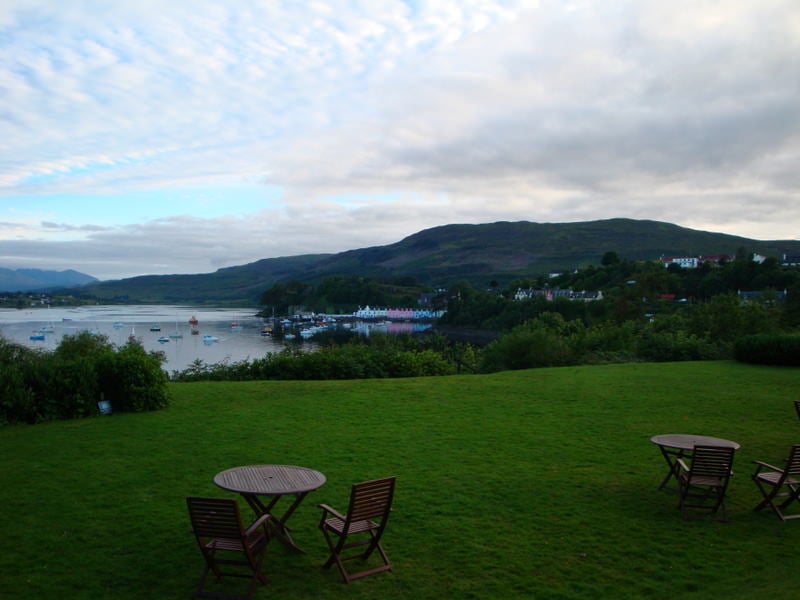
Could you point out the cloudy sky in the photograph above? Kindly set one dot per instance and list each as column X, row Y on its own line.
column 142, row 136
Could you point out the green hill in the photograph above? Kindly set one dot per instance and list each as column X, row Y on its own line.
column 442, row 255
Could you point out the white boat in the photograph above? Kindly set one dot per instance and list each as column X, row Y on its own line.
column 163, row 339
column 210, row 339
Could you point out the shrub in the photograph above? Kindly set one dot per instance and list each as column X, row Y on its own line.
column 68, row 382
column 17, row 398
column 769, row 349
column 667, row 346
column 522, row 349
column 133, row 380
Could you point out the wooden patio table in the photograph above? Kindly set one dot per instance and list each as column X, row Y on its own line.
column 273, row 481
column 677, row 445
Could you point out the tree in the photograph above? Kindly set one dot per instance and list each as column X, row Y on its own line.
column 609, row 258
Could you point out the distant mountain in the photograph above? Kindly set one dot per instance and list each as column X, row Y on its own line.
column 31, row 280
column 442, row 255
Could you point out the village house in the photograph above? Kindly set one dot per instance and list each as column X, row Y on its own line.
column 552, row 294
column 790, row 261
column 368, row 313
column 692, row 262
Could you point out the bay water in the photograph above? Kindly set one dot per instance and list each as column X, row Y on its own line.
column 236, row 332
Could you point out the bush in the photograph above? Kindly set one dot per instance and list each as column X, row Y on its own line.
column 132, row 380
column 769, row 349
column 522, row 349
column 353, row 360
column 667, row 346
column 68, row 382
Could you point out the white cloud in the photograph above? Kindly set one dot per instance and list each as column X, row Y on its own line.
column 376, row 120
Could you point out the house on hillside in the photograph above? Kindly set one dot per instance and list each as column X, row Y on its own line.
column 692, row 262
column 790, row 261
column 684, row 262
column 767, row 296
column 552, row 294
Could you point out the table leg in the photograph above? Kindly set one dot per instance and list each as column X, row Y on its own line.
column 671, row 455
column 277, row 525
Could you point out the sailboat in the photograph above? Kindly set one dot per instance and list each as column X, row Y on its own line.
column 177, row 335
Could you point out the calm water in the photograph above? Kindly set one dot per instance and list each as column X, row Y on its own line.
column 119, row 322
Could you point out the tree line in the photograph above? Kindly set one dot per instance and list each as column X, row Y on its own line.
column 648, row 313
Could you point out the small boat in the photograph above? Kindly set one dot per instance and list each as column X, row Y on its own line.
column 118, row 325
column 132, row 337
column 155, row 328
column 235, row 326
column 210, row 339
column 266, row 331
column 193, row 320
column 195, row 332
column 37, row 337
column 163, row 339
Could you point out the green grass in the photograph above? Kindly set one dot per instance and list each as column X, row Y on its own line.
column 528, row 484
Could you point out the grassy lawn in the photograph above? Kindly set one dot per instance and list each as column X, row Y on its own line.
column 527, row 484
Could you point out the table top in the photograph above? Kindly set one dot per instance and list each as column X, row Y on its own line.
column 687, row 441
column 269, row 480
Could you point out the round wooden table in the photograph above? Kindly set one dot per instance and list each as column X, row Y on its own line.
column 275, row 482
column 677, row 445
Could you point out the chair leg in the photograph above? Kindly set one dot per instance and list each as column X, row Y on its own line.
column 769, row 497
column 717, row 494
column 337, row 549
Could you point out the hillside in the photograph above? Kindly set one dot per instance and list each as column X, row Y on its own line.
column 28, row 280
column 442, row 255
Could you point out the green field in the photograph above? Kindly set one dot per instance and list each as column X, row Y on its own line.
column 526, row 484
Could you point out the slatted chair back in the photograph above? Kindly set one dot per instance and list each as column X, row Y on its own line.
column 370, row 501
column 216, row 518
column 711, row 462
column 797, row 407
column 793, row 462
column 361, row 528
column 782, row 484
column 703, row 485
column 229, row 549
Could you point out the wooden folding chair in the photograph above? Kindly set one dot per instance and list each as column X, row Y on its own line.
column 703, row 485
column 228, row 548
column 775, row 483
column 361, row 527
